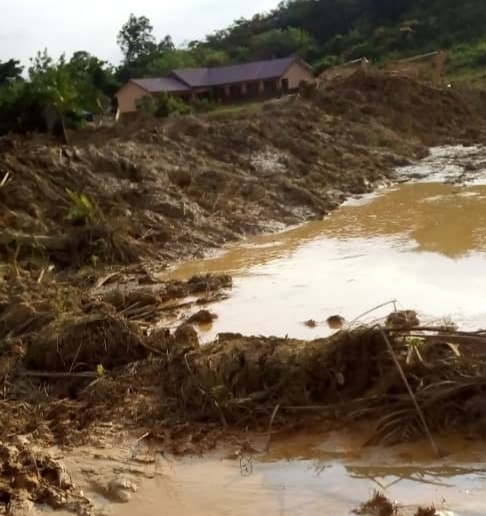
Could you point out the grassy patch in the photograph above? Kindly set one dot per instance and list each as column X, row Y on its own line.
column 238, row 109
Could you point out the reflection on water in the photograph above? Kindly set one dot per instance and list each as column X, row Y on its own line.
column 296, row 478
column 436, row 217
column 421, row 243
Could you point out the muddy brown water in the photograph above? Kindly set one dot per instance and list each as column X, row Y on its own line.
column 421, row 243
column 306, row 475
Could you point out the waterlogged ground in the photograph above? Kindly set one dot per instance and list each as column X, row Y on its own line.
column 421, row 243
column 306, row 475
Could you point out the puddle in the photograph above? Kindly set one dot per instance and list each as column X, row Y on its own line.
column 309, row 475
column 421, row 243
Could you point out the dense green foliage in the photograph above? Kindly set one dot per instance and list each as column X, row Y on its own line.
column 144, row 57
column 324, row 32
column 84, row 83
column 378, row 29
column 9, row 71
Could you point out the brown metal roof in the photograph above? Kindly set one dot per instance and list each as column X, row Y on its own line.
column 161, row 84
column 256, row 71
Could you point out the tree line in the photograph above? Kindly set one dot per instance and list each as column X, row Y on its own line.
column 324, row 32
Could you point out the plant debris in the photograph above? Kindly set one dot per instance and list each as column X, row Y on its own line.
column 380, row 505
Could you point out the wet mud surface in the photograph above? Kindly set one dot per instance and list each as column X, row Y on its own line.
column 305, row 474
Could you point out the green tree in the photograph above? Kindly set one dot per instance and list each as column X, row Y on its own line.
column 54, row 82
column 21, row 110
column 55, row 87
column 166, row 45
column 99, row 74
column 164, row 62
column 282, row 43
column 95, row 81
column 136, row 38
column 10, row 70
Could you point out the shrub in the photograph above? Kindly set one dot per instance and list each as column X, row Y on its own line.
column 147, row 105
column 169, row 104
column 203, row 105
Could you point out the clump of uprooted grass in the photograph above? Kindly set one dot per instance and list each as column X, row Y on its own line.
column 426, row 511
column 380, row 505
column 80, row 344
column 411, row 381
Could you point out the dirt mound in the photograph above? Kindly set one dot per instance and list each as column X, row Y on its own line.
column 407, row 379
column 408, row 384
column 84, row 344
column 423, row 111
column 61, row 328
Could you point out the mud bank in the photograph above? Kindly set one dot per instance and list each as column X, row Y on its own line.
column 172, row 190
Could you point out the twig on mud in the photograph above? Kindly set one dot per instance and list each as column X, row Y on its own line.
column 270, row 426
column 441, row 330
column 78, row 351
column 218, row 197
column 39, row 374
column 103, row 281
column 337, row 406
column 394, row 303
column 410, row 391
column 34, row 463
column 151, row 349
column 129, row 309
column 41, row 276
column 6, row 179
column 91, row 384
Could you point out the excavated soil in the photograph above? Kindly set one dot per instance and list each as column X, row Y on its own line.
column 83, row 319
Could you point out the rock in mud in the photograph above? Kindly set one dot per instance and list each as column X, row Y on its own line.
column 202, row 317
column 336, row 322
column 121, row 490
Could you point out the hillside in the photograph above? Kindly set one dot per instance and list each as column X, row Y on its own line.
column 331, row 31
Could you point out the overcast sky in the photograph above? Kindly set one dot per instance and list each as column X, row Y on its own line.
column 27, row 26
